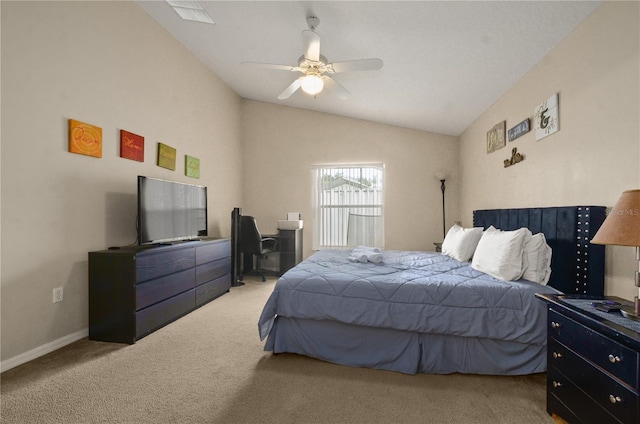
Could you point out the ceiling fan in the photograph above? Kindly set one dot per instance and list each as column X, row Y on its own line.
column 316, row 69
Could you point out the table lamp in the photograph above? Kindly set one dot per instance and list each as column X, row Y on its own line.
column 622, row 228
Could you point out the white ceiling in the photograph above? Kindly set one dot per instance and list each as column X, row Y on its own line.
column 445, row 62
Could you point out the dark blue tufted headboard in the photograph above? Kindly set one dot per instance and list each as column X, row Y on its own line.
column 577, row 266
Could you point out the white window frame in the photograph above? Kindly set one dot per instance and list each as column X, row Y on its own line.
column 366, row 200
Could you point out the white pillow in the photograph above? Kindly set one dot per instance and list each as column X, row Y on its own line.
column 460, row 243
column 538, row 254
column 501, row 253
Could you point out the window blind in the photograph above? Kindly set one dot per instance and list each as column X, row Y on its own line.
column 348, row 206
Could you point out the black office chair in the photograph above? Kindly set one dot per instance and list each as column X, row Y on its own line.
column 251, row 242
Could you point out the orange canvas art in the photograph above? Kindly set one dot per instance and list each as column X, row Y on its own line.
column 85, row 139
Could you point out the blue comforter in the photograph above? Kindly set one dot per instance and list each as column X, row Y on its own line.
column 422, row 292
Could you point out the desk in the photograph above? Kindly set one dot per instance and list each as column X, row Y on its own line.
column 289, row 248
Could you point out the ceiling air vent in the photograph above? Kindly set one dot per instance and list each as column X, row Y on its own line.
column 191, row 10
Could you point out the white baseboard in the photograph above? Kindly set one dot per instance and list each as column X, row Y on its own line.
column 42, row 350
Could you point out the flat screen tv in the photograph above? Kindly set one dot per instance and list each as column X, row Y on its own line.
column 169, row 211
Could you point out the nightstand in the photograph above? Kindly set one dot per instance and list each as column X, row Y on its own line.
column 593, row 359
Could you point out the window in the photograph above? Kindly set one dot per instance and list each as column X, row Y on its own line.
column 348, row 206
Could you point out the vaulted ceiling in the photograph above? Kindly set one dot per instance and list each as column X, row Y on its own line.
column 445, row 62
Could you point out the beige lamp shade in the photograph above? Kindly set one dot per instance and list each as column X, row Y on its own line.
column 622, row 226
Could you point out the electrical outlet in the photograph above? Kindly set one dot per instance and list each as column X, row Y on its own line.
column 58, row 294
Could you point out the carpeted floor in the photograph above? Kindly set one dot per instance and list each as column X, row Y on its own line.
column 209, row 367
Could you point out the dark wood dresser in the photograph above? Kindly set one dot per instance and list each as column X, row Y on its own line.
column 593, row 359
column 136, row 290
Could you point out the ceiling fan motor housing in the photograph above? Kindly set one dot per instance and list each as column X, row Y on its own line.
column 320, row 66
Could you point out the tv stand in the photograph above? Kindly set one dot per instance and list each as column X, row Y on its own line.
column 135, row 290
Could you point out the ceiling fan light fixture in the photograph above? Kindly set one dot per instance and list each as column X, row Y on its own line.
column 312, row 84
column 316, row 69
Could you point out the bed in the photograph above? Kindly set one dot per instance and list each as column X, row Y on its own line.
column 426, row 312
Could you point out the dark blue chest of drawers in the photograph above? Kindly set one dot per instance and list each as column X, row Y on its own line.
column 136, row 290
column 592, row 364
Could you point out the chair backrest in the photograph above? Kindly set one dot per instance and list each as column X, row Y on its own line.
column 250, row 240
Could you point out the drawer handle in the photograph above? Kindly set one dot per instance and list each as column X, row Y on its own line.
column 558, row 384
column 614, row 359
column 557, row 355
column 555, row 324
column 614, row 399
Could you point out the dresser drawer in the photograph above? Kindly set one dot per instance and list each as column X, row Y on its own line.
column 212, row 270
column 560, row 389
column 156, row 264
column 619, row 360
column 154, row 291
column 212, row 289
column 212, row 251
column 156, row 316
column 557, row 407
column 603, row 389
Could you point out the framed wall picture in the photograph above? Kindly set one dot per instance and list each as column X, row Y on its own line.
column 191, row 166
column 131, row 146
column 85, row 139
column 496, row 137
column 166, row 156
column 520, row 129
column 546, row 119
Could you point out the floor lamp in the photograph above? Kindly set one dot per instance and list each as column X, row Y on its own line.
column 622, row 228
column 442, row 177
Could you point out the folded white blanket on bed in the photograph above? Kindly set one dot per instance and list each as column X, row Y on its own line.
column 364, row 254
column 357, row 258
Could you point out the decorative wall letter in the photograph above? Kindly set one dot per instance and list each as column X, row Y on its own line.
column 546, row 118
column 515, row 158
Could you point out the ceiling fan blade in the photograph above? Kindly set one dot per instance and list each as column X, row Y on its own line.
column 273, row 66
column 311, row 43
column 356, row 65
column 333, row 85
column 290, row 90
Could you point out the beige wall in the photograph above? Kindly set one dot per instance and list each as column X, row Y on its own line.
column 594, row 156
column 111, row 65
column 282, row 144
